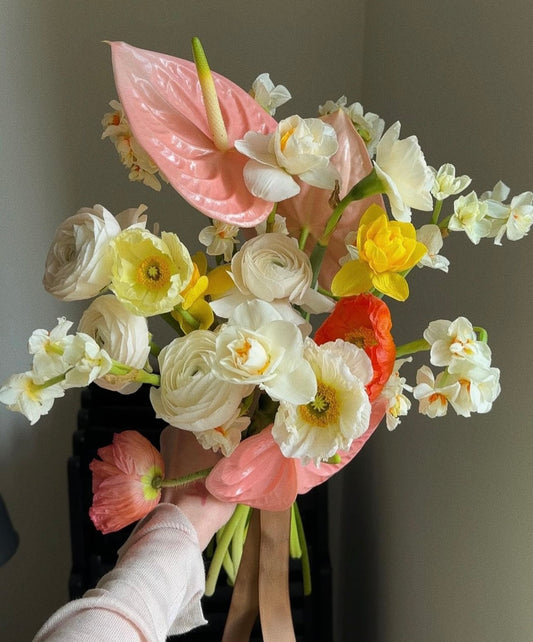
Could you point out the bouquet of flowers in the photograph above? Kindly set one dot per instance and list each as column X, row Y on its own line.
column 299, row 226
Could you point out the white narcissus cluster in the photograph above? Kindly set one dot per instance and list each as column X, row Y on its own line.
column 337, row 414
column 469, row 383
column 268, row 95
column 190, row 395
column 123, row 335
column 298, row 147
column 398, row 405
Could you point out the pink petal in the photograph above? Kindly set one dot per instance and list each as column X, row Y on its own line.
column 256, row 474
column 310, row 207
column 310, row 476
column 162, row 99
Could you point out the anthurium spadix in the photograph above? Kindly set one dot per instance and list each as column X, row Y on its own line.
column 164, row 103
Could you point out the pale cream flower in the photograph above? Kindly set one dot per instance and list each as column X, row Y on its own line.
column 475, row 216
column 430, row 235
column 88, row 361
column 257, row 346
column 479, row 388
column 455, row 341
column 123, row 335
column 78, row 265
column 338, row 413
column 190, row 395
column 20, row 393
column 398, row 405
column 280, row 226
column 219, row 238
column 271, row 267
column 446, row 183
column 434, row 395
column 149, row 273
column 519, row 220
column 268, row 95
column 224, row 438
column 298, row 147
column 47, row 348
column 402, row 168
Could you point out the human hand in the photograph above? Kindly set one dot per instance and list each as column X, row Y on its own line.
column 183, row 455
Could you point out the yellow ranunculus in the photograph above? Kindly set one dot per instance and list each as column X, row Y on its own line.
column 386, row 248
column 149, row 273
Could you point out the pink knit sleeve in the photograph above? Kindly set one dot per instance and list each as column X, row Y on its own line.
column 153, row 591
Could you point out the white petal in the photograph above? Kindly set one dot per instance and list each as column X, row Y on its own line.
column 269, row 183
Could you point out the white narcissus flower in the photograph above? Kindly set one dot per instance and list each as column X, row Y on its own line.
column 398, row 405
column 219, row 238
column 47, row 348
column 268, row 95
column 475, row 216
column 402, row 168
column 271, row 267
column 430, row 235
column 298, row 147
column 453, row 341
column 123, row 335
column 257, row 346
column 446, row 183
column 78, row 265
column 434, row 394
column 280, row 226
column 338, row 413
column 88, row 361
column 226, row 437
column 479, row 388
column 22, row 394
column 519, row 220
column 149, row 273
column 190, row 395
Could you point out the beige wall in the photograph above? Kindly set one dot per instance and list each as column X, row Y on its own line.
column 442, row 510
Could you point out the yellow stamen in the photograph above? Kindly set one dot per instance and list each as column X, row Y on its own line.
column 209, row 93
column 285, row 138
column 362, row 337
column 154, row 273
column 323, row 410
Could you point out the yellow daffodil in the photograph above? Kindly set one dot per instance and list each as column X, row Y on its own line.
column 195, row 313
column 386, row 248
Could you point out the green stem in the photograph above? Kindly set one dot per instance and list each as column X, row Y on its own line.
column 483, row 335
column 50, row 382
column 271, row 218
column 168, row 318
column 410, row 348
column 186, row 479
column 295, row 550
column 306, row 566
column 188, row 317
column 154, row 349
column 221, row 549
column 316, row 258
column 436, row 212
column 237, row 542
column 304, row 234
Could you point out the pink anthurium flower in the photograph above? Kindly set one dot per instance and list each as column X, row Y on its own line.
column 126, row 482
column 310, row 208
column 258, row 474
column 162, row 99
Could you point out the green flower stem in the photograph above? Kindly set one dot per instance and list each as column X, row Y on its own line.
column 154, row 349
column 304, row 234
column 316, row 258
column 271, row 219
column 444, row 223
column 483, row 335
column 367, row 186
column 306, row 567
column 410, row 348
column 237, row 542
column 436, row 212
column 222, row 548
column 140, row 376
column 192, row 321
column 50, row 382
column 229, row 567
column 295, row 550
column 186, row 479
column 327, row 293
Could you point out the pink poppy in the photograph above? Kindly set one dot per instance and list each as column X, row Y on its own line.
column 123, row 489
column 258, row 474
column 163, row 102
column 311, row 208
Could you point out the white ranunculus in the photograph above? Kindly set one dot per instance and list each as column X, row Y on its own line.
column 190, row 395
column 402, row 168
column 78, row 265
column 298, row 147
column 338, row 413
column 271, row 267
column 257, row 346
column 123, row 335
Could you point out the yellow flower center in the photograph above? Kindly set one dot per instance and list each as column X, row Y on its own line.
column 285, row 138
column 154, row 272
column 323, row 410
column 362, row 337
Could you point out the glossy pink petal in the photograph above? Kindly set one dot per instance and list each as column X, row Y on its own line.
column 162, row 99
column 310, row 476
column 310, row 207
column 256, row 474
